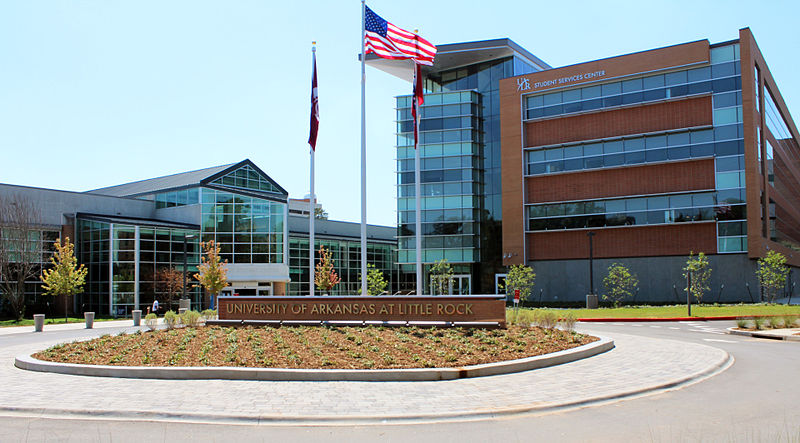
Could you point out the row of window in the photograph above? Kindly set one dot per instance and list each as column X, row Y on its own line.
column 429, row 216
column 634, row 150
column 436, row 189
column 446, row 202
column 442, row 175
column 449, row 136
column 429, row 163
column 428, row 111
column 247, row 178
column 443, row 98
column 177, row 198
column 438, row 228
column 438, row 241
column 439, row 124
column 438, row 150
column 660, row 216
column 434, row 255
column 659, row 202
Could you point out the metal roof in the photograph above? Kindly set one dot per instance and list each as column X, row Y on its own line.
column 150, row 185
column 455, row 55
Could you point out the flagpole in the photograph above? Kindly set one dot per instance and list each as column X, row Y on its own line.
column 417, row 185
column 363, row 155
column 312, row 198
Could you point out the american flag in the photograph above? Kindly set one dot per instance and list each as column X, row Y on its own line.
column 388, row 41
column 312, row 135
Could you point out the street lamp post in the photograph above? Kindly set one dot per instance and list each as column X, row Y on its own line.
column 590, row 234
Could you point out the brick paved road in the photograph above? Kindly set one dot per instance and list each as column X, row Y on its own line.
column 637, row 364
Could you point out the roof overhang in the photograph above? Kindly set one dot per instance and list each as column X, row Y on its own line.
column 455, row 55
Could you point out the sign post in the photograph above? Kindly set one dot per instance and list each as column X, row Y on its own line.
column 516, row 297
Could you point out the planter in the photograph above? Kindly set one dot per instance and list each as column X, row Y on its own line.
column 89, row 317
column 38, row 322
column 137, row 317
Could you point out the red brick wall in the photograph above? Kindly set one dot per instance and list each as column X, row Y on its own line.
column 633, row 241
column 633, row 120
column 689, row 175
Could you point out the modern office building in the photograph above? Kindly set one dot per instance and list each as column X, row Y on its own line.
column 687, row 148
column 460, row 151
column 126, row 234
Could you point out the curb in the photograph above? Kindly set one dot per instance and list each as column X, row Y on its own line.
column 760, row 334
column 649, row 319
column 29, row 363
column 722, row 364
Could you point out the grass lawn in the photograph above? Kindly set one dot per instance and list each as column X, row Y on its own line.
column 741, row 310
column 48, row 321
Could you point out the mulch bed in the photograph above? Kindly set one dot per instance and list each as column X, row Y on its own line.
column 316, row 347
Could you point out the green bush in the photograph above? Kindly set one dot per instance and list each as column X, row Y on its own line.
column 209, row 314
column 151, row 321
column 190, row 318
column 742, row 323
column 789, row 321
column 775, row 322
column 620, row 284
column 171, row 319
column 547, row 319
column 758, row 323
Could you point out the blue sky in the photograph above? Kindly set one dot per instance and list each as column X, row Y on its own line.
column 97, row 93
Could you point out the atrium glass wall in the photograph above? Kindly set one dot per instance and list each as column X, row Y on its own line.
column 346, row 255
column 247, row 229
column 133, row 256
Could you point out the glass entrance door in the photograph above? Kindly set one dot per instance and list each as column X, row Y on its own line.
column 461, row 285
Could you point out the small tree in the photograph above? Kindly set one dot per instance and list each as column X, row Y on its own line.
column 320, row 213
column 772, row 273
column 66, row 277
column 619, row 283
column 520, row 277
column 376, row 283
column 441, row 277
column 170, row 281
column 213, row 275
column 325, row 276
column 698, row 271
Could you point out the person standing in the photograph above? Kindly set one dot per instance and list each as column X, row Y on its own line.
column 155, row 307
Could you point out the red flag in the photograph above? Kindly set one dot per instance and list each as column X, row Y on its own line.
column 417, row 100
column 312, row 136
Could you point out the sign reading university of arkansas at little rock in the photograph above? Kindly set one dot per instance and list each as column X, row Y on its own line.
column 457, row 309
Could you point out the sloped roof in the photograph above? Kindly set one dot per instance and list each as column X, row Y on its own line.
column 161, row 183
column 180, row 180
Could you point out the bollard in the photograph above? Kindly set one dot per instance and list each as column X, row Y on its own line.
column 89, row 317
column 38, row 322
column 137, row 317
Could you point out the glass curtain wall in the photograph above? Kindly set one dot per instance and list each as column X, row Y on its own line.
column 346, row 255
column 133, row 256
column 247, row 229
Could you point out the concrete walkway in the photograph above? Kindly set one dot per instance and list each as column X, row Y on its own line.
column 637, row 365
column 68, row 326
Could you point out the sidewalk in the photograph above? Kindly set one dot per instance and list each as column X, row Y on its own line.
column 68, row 326
column 637, row 366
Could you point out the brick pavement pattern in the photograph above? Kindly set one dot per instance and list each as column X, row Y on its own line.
column 637, row 364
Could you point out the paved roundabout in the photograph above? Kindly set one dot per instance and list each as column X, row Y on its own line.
column 636, row 366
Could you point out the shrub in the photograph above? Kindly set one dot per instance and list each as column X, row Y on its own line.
column 758, row 323
column 190, row 318
column 742, row 323
column 775, row 322
column 568, row 322
column 619, row 283
column 171, row 319
column 151, row 321
column 209, row 314
column 789, row 321
column 547, row 319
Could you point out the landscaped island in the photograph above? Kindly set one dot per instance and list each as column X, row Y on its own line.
column 317, row 347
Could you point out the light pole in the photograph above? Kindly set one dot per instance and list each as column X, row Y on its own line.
column 185, row 239
column 590, row 234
